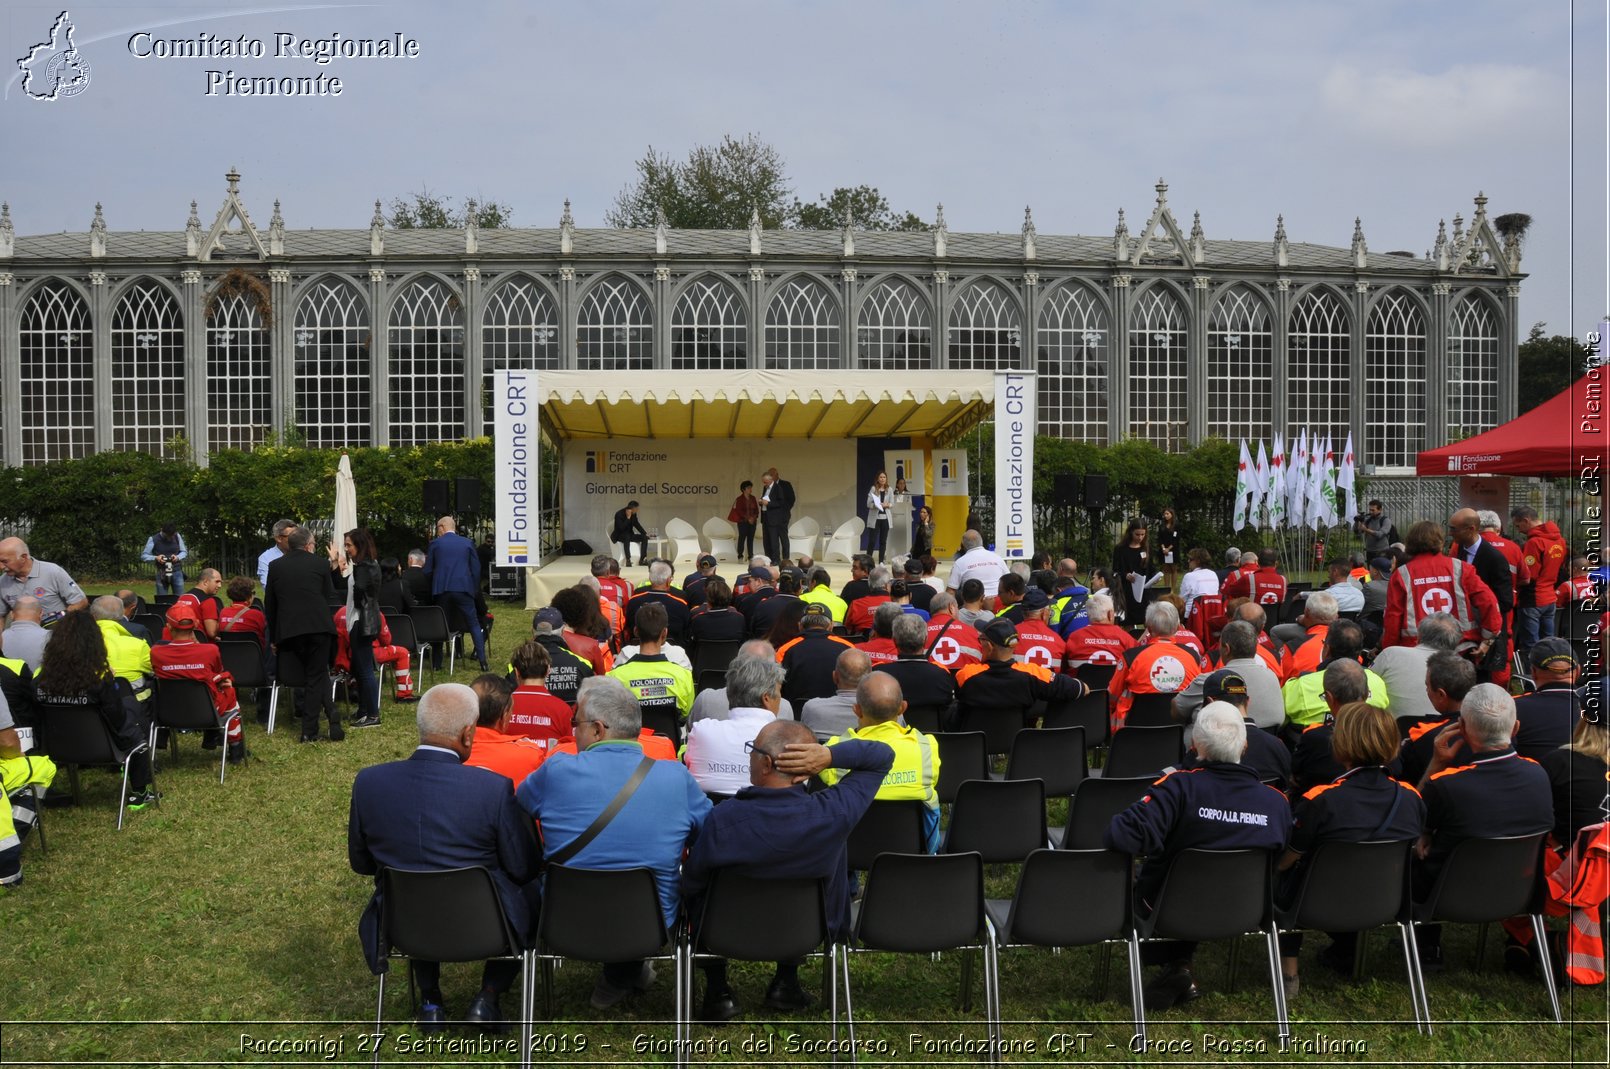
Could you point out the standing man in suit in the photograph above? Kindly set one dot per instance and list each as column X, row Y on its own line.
column 454, row 569
column 628, row 531
column 301, row 629
column 776, row 510
column 1493, row 568
column 434, row 812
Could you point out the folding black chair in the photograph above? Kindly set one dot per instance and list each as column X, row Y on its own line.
column 887, row 828
column 572, row 898
column 928, row 719
column 1486, row 880
column 998, row 726
column 401, row 626
column 962, row 757
column 1088, row 712
column 1144, row 751
column 163, row 601
column 1055, row 756
column 1000, row 820
column 1150, row 711
column 243, row 660
column 663, row 720
column 73, row 735
column 1094, row 805
column 152, row 622
column 1355, row 887
column 431, row 629
column 187, row 705
column 1096, row 676
column 714, row 655
column 1038, row 914
column 1219, row 894
column 925, row 904
column 710, row 679
column 448, row 915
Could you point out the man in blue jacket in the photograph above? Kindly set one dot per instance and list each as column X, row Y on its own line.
column 454, row 569
column 774, row 829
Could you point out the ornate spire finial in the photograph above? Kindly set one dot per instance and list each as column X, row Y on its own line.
column 1458, row 228
column 275, row 219
column 1439, row 251
column 377, row 220
column 233, row 178
column 194, row 222
column 849, row 237
column 276, row 232
column 472, row 229
column 1120, row 239
column 97, row 233
column 1028, row 233
column 1198, row 239
column 1481, row 205
column 1162, row 191
column 8, row 235
column 1282, row 248
column 192, row 232
column 754, row 230
column 567, row 231
column 1360, row 249
column 377, row 237
column 660, row 227
column 99, row 222
column 941, row 232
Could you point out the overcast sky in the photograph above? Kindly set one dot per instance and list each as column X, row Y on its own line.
column 1395, row 112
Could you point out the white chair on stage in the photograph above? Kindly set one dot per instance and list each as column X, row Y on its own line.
column 846, row 541
column 684, row 538
column 618, row 550
column 723, row 538
column 803, row 536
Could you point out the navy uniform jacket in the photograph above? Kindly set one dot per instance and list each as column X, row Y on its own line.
column 1312, row 762
column 1266, row 755
column 1547, row 719
column 808, row 664
column 453, row 565
column 1354, row 808
column 432, row 812
column 783, row 832
column 1217, row 806
column 1489, row 795
column 922, row 682
column 1415, row 756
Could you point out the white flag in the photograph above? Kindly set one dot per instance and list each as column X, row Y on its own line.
column 1316, row 483
column 1277, row 483
column 1260, row 489
column 1297, row 483
column 1327, row 486
column 1346, row 482
column 1243, row 487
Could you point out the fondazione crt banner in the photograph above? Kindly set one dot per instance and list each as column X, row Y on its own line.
column 515, row 436
column 1015, row 408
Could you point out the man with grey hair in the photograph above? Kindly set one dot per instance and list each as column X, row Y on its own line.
column 1159, row 665
column 659, row 592
column 430, row 812
column 1313, row 761
column 25, row 637
column 924, row 683
column 1099, row 641
column 1302, row 641
column 20, row 574
column 1219, row 805
column 660, row 819
column 1232, row 561
column 835, row 715
column 1403, row 668
column 976, row 562
column 280, row 533
column 880, row 647
column 1490, row 793
column 859, row 621
column 713, row 703
column 715, row 753
column 128, row 657
column 1304, row 695
column 1238, row 648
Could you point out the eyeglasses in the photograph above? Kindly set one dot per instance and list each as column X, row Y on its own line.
column 750, row 747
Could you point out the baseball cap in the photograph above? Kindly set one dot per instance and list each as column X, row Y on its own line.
column 183, row 614
column 1553, row 654
column 913, row 565
column 1035, row 598
column 1381, row 564
column 550, row 617
column 757, row 572
column 1223, row 685
column 999, row 632
column 707, row 561
column 816, row 608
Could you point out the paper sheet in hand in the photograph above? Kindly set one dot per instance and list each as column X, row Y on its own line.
column 1138, row 585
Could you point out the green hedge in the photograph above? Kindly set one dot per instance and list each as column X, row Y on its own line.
column 93, row 515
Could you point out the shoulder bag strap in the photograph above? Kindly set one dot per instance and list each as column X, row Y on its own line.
column 948, row 624
column 629, row 788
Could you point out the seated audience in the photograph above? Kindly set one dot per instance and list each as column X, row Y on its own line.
column 716, row 752
column 183, row 656
column 835, row 714
column 808, row 660
column 496, row 749
column 75, row 671
column 535, row 712
column 24, row 637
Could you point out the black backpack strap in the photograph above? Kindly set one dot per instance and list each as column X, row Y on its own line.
column 629, row 788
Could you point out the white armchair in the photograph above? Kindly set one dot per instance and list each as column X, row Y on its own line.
column 804, row 533
column 846, row 540
column 684, row 538
column 723, row 538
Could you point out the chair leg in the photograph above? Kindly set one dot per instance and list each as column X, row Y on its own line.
column 72, row 780
column 992, row 989
column 849, row 1009
column 39, row 817
column 1417, row 990
column 122, row 795
column 965, row 1000
column 1235, row 961
column 1481, row 945
column 527, row 959
column 1277, row 982
column 1103, row 970
column 1137, row 995
column 1540, row 940
column 273, row 704
column 223, row 753
column 380, row 1009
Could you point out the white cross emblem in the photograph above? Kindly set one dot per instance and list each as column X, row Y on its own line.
column 1436, row 600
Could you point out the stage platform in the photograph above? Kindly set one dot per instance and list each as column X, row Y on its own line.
column 542, row 583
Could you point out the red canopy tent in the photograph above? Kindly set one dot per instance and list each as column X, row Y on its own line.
column 1562, row 436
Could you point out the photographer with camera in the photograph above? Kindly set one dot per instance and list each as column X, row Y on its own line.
column 165, row 549
column 1376, row 529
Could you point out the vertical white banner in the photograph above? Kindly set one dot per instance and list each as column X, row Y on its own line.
column 515, row 441
column 1015, row 415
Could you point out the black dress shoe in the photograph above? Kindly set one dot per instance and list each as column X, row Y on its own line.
column 307, row 738
column 484, row 1011
column 432, row 1017
column 1174, row 987
column 787, row 996
column 719, row 1006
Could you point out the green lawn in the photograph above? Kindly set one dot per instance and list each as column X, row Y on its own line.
column 221, row 928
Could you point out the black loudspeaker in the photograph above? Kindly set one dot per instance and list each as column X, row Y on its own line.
column 575, row 547
column 436, row 502
column 1095, row 491
column 1064, row 491
column 469, row 494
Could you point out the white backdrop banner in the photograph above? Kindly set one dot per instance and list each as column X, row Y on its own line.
column 515, row 437
column 950, row 473
column 696, row 479
column 905, row 464
column 1015, row 416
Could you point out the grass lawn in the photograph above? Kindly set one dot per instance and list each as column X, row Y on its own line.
column 221, row 928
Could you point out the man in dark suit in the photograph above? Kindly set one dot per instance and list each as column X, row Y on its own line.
column 299, row 592
column 434, row 812
column 454, row 569
column 776, row 510
column 414, row 579
column 629, row 532
column 1493, row 568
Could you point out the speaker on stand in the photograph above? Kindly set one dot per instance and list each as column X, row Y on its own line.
column 1065, row 495
column 435, row 496
column 1095, row 500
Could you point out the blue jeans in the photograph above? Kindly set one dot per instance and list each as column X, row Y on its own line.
column 462, row 605
column 363, row 671
column 173, row 584
column 1533, row 622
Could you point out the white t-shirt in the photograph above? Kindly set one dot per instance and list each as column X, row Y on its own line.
column 1195, row 583
column 980, row 564
column 715, row 753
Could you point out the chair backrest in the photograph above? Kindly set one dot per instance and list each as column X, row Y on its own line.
column 1144, row 751
column 1000, row 820
column 152, row 622
column 1352, row 887
column 804, row 527
column 162, row 601
column 1212, row 894
column 714, row 655
column 998, row 727
column 430, row 624
column 1098, row 880
column 710, row 679
column 75, row 735
column 887, row 828
column 401, row 626
column 243, row 660
column 1150, row 711
column 1096, row 676
column 928, row 719
column 1094, row 805
column 184, row 703
column 753, row 919
column 1580, row 618
column 663, row 721
column 1088, row 712
column 1055, row 756
column 922, row 903
column 445, row 915
column 719, row 527
column 1488, row 880
column 677, row 527
column 962, row 757
column 574, row 898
